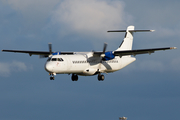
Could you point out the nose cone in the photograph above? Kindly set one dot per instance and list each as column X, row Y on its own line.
column 48, row 67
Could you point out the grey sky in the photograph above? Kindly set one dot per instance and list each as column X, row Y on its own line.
column 146, row 89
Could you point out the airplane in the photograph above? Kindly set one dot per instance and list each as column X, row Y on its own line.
column 92, row 63
column 123, row 118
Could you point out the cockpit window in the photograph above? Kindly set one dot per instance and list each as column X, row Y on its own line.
column 53, row 59
column 60, row 59
column 48, row 59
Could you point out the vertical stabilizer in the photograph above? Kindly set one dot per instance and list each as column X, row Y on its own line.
column 128, row 40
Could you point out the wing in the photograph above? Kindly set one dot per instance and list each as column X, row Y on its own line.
column 140, row 51
column 134, row 52
column 29, row 52
column 41, row 53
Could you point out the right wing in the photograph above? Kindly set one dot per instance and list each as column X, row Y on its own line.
column 41, row 53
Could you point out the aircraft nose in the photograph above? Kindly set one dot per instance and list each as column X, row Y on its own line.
column 48, row 67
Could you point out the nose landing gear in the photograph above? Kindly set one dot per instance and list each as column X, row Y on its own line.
column 52, row 76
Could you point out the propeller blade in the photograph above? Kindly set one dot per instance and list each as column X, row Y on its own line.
column 104, row 48
column 50, row 48
column 102, row 55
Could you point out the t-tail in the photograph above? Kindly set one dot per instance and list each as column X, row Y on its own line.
column 128, row 39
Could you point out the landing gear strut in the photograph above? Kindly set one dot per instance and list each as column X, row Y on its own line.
column 74, row 77
column 100, row 77
column 52, row 76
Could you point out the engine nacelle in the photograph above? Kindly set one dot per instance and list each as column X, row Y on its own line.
column 56, row 53
column 108, row 56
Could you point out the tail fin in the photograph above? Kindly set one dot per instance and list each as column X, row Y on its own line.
column 128, row 39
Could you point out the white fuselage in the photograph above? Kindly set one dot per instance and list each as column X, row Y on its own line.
column 85, row 64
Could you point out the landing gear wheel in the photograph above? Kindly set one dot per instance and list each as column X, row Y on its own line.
column 74, row 77
column 51, row 78
column 101, row 77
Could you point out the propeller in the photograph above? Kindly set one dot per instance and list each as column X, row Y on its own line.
column 50, row 48
column 50, row 51
column 104, row 48
column 102, row 55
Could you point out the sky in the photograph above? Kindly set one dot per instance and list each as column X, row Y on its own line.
column 144, row 90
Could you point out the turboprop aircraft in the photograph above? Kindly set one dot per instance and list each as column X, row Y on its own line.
column 92, row 63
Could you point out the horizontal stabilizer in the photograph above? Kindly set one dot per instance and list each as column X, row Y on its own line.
column 131, row 30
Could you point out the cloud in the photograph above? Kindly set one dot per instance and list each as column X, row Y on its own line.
column 176, row 64
column 165, row 32
column 15, row 66
column 151, row 65
column 155, row 65
column 33, row 13
column 30, row 6
column 147, row 65
column 90, row 17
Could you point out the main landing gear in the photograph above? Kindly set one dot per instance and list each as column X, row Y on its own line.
column 74, row 77
column 100, row 77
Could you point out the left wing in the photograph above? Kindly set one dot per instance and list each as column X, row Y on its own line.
column 134, row 52
column 140, row 51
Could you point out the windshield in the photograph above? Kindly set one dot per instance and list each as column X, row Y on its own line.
column 60, row 59
column 48, row 59
column 55, row 59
